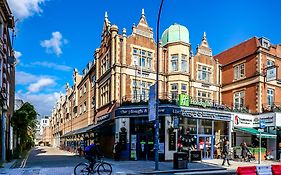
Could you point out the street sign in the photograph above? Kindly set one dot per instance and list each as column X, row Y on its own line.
column 262, row 124
column 152, row 103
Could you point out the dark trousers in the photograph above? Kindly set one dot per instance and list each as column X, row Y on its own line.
column 117, row 156
column 91, row 159
column 225, row 158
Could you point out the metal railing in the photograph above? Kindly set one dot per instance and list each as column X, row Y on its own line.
column 170, row 98
column 273, row 107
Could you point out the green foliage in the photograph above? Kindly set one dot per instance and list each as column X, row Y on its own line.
column 24, row 124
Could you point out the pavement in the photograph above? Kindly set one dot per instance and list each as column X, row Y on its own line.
column 52, row 161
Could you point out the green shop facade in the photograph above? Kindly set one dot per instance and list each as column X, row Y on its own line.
column 182, row 127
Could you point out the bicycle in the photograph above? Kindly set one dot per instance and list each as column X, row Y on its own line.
column 100, row 167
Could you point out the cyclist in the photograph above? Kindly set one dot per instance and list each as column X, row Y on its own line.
column 92, row 152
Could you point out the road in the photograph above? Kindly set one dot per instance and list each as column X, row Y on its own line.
column 52, row 161
column 47, row 157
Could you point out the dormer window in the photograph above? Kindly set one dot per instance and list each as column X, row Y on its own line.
column 265, row 43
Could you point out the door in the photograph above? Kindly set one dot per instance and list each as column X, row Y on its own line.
column 205, row 145
column 145, row 147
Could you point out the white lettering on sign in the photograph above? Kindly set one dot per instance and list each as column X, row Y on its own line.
column 103, row 117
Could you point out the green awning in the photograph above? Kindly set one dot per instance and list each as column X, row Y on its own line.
column 253, row 131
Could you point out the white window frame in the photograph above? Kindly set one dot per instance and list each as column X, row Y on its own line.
column 142, row 58
column 204, row 69
column 174, row 59
column 269, row 63
column 270, row 96
column 239, row 71
column 184, row 90
column 184, row 61
column 201, row 97
column 239, row 96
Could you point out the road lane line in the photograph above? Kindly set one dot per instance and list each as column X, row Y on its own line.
column 23, row 163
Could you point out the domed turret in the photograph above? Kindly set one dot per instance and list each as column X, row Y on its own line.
column 175, row 33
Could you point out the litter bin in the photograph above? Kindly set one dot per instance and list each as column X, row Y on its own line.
column 195, row 156
column 180, row 160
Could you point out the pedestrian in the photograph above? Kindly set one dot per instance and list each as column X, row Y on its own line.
column 225, row 152
column 245, row 151
column 116, row 151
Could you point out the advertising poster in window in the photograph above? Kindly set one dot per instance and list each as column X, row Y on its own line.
column 133, row 147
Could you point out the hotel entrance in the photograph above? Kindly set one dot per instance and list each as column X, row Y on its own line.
column 205, row 145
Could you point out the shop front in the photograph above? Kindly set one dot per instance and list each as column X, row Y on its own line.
column 203, row 130
column 136, row 134
column 246, row 129
column 181, row 129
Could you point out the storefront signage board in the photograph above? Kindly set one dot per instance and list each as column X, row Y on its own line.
column 180, row 111
column 185, row 100
column 269, row 119
column 243, row 120
column 103, row 117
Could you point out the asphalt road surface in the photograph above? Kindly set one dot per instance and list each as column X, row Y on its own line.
column 47, row 157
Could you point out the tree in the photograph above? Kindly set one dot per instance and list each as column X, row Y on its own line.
column 24, row 124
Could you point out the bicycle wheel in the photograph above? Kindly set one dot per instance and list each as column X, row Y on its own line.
column 104, row 168
column 82, row 169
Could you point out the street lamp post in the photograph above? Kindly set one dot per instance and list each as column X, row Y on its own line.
column 157, row 91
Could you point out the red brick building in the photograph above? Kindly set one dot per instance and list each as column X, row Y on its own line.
column 251, row 76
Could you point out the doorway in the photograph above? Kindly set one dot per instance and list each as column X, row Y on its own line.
column 205, row 145
column 145, row 147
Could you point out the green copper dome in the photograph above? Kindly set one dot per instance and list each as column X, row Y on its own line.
column 175, row 33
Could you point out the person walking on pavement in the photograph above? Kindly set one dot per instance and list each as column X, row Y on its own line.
column 116, row 151
column 225, row 153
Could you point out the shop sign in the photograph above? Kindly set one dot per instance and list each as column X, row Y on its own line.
column 141, row 111
column 103, row 117
column 243, row 120
column 185, row 100
column 268, row 120
column 271, row 73
column 201, row 114
column 178, row 111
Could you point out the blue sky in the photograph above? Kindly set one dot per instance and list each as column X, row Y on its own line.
column 54, row 36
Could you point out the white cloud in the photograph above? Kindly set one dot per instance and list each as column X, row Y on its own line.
column 43, row 103
column 40, row 84
column 24, row 78
column 25, row 8
column 52, row 65
column 18, row 55
column 54, row 44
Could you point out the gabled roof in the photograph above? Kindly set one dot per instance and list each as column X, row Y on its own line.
column 238, row 52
